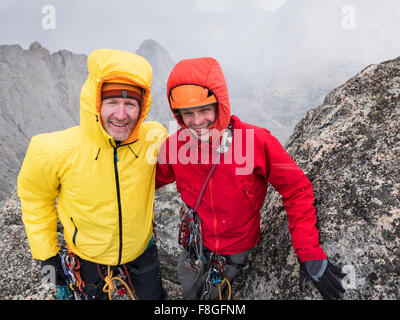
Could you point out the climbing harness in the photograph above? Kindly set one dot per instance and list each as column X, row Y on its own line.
column 75, row 288
column 217, row 268
column 216, row 277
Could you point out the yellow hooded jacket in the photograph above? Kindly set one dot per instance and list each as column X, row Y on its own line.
column 103, row 193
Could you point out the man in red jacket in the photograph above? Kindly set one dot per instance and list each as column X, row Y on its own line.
column 222, row 167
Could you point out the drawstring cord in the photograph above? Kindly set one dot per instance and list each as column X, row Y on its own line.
column 97, row 156
column 133, row 151
column 98, row 152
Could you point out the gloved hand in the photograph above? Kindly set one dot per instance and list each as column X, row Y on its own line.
column 55, row 263
column 325, row 276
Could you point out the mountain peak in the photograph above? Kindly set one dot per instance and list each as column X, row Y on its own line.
column 150, row 43
column 35, row 45
column 158, row 57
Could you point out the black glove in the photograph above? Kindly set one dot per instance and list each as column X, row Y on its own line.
column 325, row 276
column 54, row 262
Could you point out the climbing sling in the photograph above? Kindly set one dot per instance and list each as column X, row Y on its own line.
column 190, row 231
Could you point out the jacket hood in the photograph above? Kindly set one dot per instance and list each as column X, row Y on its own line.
column 204, row 72
column 107, row 65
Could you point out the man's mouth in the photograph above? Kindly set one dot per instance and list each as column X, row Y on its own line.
column 199, row 130
column 119, row 125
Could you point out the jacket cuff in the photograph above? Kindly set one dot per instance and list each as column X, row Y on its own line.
column 311, row 254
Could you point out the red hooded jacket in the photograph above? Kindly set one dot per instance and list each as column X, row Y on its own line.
column 230, row 206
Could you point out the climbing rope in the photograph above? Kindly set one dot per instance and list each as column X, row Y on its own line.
column 109, row 284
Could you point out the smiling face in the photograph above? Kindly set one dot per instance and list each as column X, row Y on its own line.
column 199, row 120
column 119, row 117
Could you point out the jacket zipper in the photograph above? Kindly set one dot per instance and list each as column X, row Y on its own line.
column 119, row 196
column 215, row 218
column 119, row 204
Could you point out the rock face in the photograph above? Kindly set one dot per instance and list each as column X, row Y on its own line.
column 167, row 203
column 22, row 279
column 39, row 92
column 349, row 147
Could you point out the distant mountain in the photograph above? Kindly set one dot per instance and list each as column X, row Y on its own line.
column 162, row 65
column 39, row 92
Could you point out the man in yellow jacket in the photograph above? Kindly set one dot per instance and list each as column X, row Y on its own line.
column 98, row 178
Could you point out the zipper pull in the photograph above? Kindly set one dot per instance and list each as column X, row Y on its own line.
column 116, row 158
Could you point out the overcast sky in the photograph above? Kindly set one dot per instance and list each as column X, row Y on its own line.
column 229, row 30
column 268, row 49
column 81, row 26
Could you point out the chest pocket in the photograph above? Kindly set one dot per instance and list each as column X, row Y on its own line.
column 248, row 189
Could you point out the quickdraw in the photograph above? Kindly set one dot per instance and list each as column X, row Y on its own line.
column 71, row 266
column 189, row 237
column 184, row 232
column 190, row 230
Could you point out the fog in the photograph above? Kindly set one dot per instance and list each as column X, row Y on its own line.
column 232, row 31
column 184, row 28
column 280, row 57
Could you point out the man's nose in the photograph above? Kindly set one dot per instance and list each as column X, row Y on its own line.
column 120, row 112
column 197, row 119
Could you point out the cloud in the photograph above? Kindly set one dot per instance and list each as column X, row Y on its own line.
column 5, row 3
column 268, row 5
column 226, row 5
column 216, row 29
column 213, row 5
